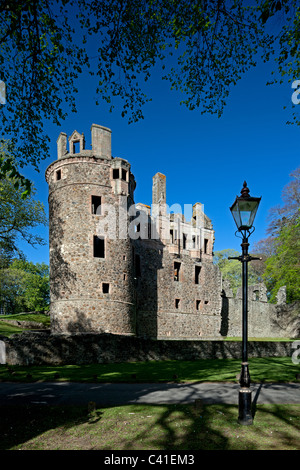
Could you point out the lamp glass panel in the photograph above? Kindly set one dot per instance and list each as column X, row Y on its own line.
column 247, row 211
column 236, row 214
column 244, row 212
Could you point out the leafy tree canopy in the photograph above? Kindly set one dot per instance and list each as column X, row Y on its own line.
column 24, row 287
column 18, row 216
column 281, row 249
column 46, row 45
column 232, row 269
column 283, row 268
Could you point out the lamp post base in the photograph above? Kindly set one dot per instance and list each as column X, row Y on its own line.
column 245, row 414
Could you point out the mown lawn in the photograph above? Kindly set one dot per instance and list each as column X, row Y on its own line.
column 273, row 369
column 148, row 427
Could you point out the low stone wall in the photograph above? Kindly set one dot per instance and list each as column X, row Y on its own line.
column 37, row 348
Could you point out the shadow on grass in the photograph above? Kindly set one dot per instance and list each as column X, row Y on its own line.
column 144, row 427
column 226, row 370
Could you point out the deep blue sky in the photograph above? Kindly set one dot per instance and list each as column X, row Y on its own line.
column 205, row 159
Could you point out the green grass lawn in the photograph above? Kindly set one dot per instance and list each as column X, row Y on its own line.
column 146, row 427
column 273, row 369
column 151, row 427
column 6, row 329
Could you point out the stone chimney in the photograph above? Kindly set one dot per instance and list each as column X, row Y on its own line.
column 101, row 141
column 61, row 145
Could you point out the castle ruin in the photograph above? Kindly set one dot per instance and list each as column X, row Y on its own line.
column 127, row 268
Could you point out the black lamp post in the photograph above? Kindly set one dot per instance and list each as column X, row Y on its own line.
column 244, row 210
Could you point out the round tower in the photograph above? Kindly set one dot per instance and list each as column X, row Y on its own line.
column 91, row 266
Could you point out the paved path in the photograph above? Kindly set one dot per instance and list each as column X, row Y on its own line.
column 119, row 394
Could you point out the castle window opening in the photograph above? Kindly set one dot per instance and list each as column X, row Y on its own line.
column 105, row 288
column 96, row 205
column 124, row 277
column 206, row 302
column 177, row 303
column 124, row 257
column 58, row 175
column 76, row 147
column 198, row 302
column 137, row 266
column 124, row 175
column 99, row 247
column 138, row 228
column 171, row 236
column 205, row 245
column 177, row 267
column 256, row 294
column 197, row 274
column 194, row 242
column 116, row 173
column 184, row 241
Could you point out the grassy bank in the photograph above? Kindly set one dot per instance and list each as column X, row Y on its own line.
column 7, row 329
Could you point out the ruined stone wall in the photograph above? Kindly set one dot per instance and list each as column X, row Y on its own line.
column 265, row 320
column 170, row 303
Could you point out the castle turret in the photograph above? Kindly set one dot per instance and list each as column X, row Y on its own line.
column 91, row 274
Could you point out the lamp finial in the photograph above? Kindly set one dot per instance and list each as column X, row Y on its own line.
column 245, row 191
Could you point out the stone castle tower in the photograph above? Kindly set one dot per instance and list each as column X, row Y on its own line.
column 91, row 275
column 120, row 267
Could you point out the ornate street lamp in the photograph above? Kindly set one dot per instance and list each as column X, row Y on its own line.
column 244, row 210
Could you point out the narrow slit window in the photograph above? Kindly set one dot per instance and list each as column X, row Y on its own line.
column 124, row 175
column 116, row 173
column 177, row 303
column 198, row 302
column 99, row 247
column 137, row 266
column 105, row 288
column 197, row 274
column 177, row 271
column 205, row 245
column 96, row 205
column 58, row 175
column 184, row 241
column 171, row 236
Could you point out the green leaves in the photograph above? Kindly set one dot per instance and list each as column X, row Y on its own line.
column 24, row 286
column 204, row 48
column 38, row 63
column 283, row 269
column 9, row 169
column 232, row 269
column 19, row 212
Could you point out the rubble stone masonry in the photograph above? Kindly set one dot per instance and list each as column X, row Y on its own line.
column 124, row 268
